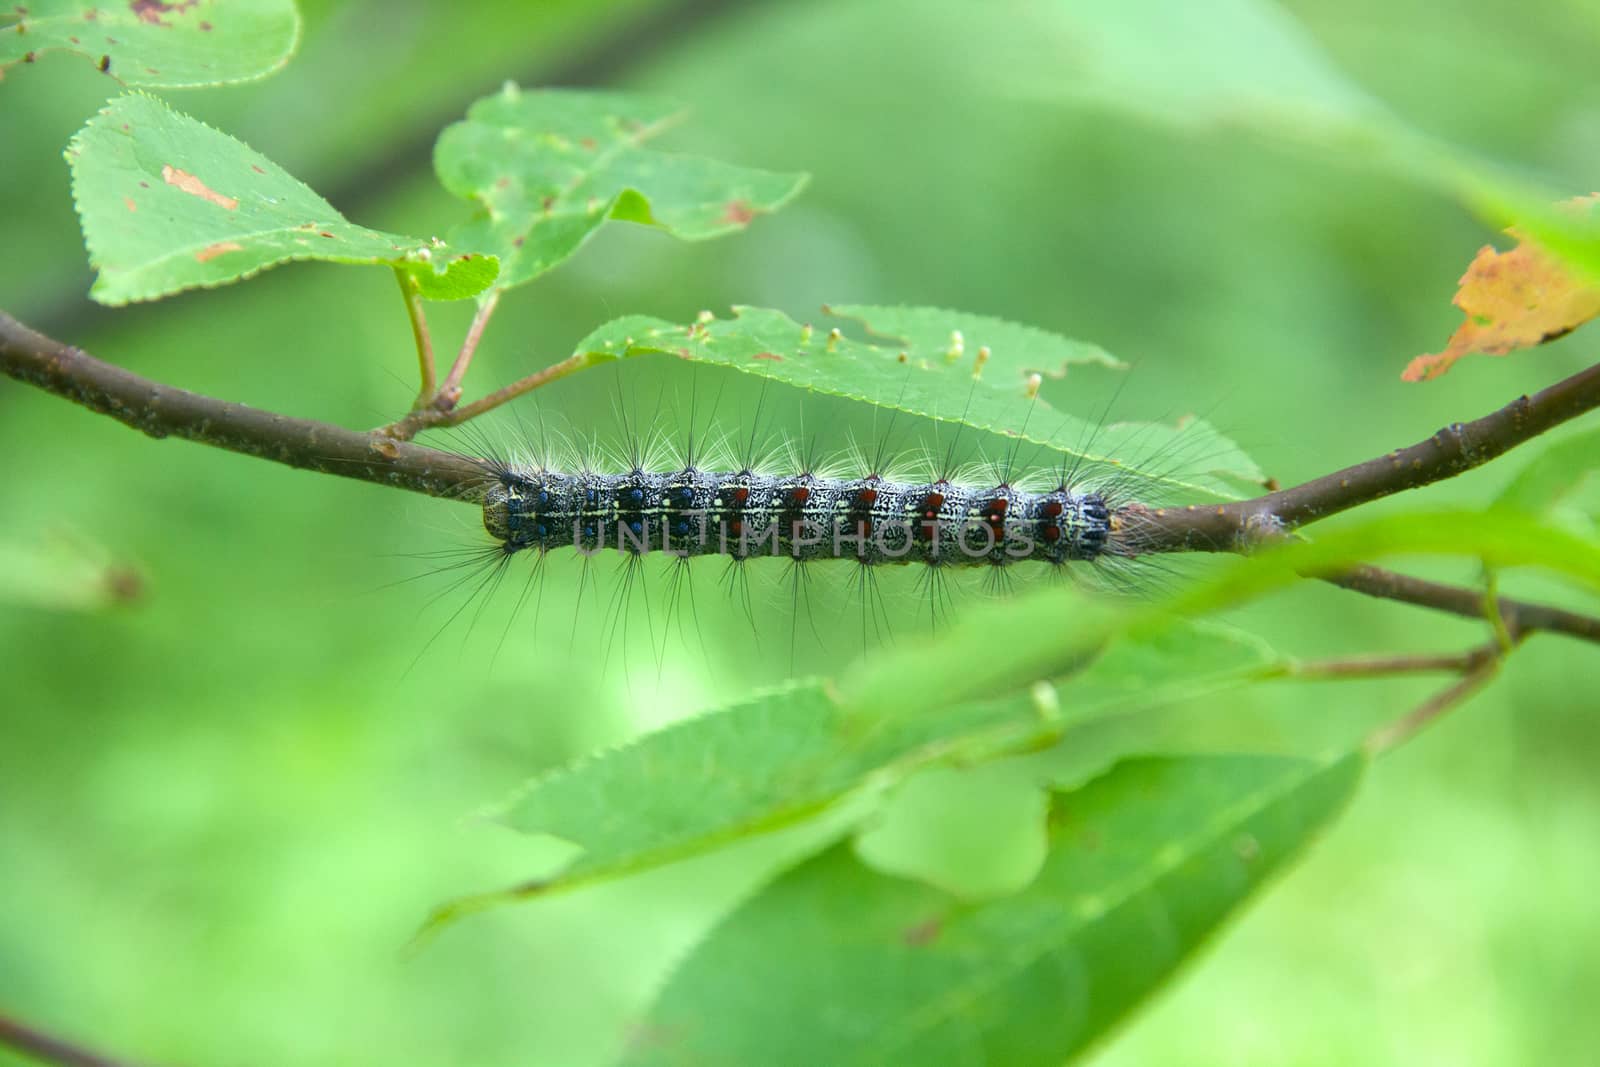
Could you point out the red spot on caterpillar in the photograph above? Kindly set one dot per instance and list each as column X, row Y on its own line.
column 772, row 356
column 188, row 183
column 213, row 251
column 1051, row 510
column 738, row 213
column 866, row 498
column 997, row 506
column 740, row 495
column 799, row 495
column 932, row 503
column 1051, row 534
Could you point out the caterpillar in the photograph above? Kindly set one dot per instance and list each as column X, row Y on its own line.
column 932, row 514
column 744, row 514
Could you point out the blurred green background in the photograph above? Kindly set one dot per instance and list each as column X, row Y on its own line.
column 225, row 806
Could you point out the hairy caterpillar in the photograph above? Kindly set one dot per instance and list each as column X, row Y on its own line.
column 933, row 515
column 745, row 514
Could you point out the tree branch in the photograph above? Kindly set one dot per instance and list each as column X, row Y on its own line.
column 375, row 456
column 1455, row 449
column 1520, row 617
column 162, row 411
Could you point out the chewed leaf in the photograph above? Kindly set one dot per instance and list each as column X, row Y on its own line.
column 168, row 204
column 547, row 168
column 932, row 375
column 836, row 963
column 175, row 45
column 1515, row 299
column 785, row 755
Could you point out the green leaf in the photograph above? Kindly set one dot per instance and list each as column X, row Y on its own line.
column 930, row 374
column 168, row 204
column 1249, row 64
column 1553, row 475
column 974, row 832
column 182, row 44
column 548, row 167
column 785, row 755
column 834, row 963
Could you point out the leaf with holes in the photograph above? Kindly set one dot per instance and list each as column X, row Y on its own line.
column 835, row 963
column 956, row 367
column 168, row 204
column 547, row 168
column 181, row 44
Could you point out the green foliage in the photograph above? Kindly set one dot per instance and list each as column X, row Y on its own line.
column 155, row 44
column 786, row 755
column 990, row 906
column 936, row 364
column 548, row 167
column 169, row 204
column 835, row 963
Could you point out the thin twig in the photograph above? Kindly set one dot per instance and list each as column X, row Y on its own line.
column 1453, row 450
column 1519, row 616
column 48, row 1049
column 419, row 333
column 1402, row 730
column 162, row 411
column 450, row 391
column 433, row 418
column 533, row 381
column 1384, row 666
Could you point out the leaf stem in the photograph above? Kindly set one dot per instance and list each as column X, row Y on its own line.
column 570, row 365
column 1383, row 666
column 412, row 293
column 1392, row 735
column 450, row 392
